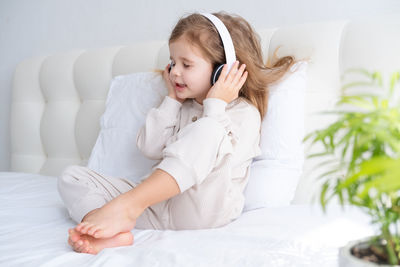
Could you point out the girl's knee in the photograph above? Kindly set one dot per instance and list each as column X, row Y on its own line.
column 72, row 180
column 75, row 170
column 71, row 174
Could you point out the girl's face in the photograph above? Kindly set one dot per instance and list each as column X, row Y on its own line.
column 191, row 72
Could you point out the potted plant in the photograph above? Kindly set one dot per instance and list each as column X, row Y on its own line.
column 361, row 151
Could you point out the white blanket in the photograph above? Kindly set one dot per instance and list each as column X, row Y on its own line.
column 34, row 224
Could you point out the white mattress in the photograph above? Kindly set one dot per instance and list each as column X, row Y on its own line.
column 34, row 224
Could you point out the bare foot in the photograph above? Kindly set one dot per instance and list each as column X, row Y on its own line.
column 88, row 244
column 111, row 219
column 90, row 212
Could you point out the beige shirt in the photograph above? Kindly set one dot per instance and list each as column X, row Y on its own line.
column 208, row 150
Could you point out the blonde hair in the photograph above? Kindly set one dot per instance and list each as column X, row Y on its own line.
column 200, row 32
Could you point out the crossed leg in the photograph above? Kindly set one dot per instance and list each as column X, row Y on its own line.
column 85, row 193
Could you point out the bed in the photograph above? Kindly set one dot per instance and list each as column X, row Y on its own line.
column 34, row 223
column 56, row 106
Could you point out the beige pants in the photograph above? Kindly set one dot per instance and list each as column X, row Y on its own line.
column 211, row 204
column 84, row 190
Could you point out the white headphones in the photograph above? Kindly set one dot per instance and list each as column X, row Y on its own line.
column 227, row 43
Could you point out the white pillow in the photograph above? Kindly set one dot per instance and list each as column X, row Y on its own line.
column 129, row 99
column 274, row 174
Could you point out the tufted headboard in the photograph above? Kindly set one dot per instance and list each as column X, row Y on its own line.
column 57, row 100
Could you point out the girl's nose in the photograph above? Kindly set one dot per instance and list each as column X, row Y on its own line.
column 175, row 71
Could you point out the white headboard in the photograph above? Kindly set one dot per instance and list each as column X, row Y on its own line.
column 57, row 100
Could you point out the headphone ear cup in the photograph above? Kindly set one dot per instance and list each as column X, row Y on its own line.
column 216, row 72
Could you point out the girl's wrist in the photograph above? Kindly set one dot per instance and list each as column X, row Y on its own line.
column 214, row 106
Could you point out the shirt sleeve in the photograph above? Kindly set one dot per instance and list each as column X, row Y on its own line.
column 242, row 128
column 203, row 145
column 159, row 126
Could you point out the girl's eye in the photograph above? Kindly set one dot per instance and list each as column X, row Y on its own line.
column 186, row 66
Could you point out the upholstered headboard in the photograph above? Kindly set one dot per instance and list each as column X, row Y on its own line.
column 57, row 100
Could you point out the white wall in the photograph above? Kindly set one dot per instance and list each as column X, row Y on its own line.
column 31, row 28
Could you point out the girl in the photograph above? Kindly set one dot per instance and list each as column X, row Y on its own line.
column 204, row 136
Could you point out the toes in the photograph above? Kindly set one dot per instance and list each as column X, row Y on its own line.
column 86, row 227
column 90, row 250
column 79, row 243
column 83, row 225
column 98, row 233
column 79, row 226
column 74, row 235
column 82, row 228
column 78, row 246
column 70, row 242
column 85, row 246
column 77, row 249
column 92, row 230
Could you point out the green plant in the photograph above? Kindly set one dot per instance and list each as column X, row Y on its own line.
column 361, row 149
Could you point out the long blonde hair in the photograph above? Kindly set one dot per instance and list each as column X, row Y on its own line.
column 200, row 32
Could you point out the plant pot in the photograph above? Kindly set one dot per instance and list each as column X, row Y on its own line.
column 347, row 259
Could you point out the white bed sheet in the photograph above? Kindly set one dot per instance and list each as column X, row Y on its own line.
column 34, row 224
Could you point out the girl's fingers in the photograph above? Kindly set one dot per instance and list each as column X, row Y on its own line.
column 223, row 74
column 232, row 72
column 165, row 72
column 166, row 68
column 242, row 80
column 238, row 75
column 167, row 79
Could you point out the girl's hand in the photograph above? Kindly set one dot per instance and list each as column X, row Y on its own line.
column 228, row 85
column 170, row 85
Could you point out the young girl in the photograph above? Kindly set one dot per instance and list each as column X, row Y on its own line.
column 204, row 136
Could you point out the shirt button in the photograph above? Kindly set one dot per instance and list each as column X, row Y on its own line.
column 194, row 118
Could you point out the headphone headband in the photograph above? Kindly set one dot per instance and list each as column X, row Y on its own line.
column 226, row 39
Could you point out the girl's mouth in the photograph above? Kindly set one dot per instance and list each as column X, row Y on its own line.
column 180, row 86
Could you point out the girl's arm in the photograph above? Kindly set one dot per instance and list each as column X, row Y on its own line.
column 203, row 145
column 158, row 128
column 159, row 186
